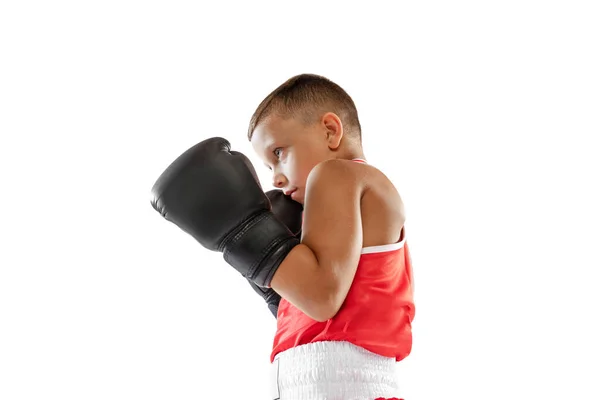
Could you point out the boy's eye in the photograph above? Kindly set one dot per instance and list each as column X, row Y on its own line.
column 277, row 152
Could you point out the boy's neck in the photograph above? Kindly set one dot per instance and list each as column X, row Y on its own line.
column 353, row 154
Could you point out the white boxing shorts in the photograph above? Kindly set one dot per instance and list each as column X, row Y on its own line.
column 332, row 371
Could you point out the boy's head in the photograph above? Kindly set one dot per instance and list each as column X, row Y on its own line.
column 306, row 120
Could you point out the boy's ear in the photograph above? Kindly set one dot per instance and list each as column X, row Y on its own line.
column 335, row 129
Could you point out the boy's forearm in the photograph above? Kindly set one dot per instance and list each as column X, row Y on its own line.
column 305, row 284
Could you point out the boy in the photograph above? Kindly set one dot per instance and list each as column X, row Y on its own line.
column 344, row 318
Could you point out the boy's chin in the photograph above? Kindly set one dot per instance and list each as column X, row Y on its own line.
column 298, row 197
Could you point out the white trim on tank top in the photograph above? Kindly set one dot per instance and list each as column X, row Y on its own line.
column 383, row 248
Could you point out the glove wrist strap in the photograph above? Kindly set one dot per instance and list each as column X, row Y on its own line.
column 259, row 247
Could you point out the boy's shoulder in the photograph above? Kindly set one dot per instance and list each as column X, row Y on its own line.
column 332, row 170
column 349, row 172
column 336, row 175
column 356, row 179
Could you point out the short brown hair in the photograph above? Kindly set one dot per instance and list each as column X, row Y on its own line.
column 308, row 96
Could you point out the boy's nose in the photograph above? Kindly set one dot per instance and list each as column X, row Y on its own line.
column 278, row 181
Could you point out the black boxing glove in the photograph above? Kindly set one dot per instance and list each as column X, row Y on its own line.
column 213, row 194
column 289, row 212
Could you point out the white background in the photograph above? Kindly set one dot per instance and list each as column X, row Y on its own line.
column 484, row 114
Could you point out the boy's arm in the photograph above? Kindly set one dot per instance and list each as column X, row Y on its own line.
column 316, row 275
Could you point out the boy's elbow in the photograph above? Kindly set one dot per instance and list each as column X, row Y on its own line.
column 325, row 315
column 322, row 315
column 327, row 308
column 323, row 298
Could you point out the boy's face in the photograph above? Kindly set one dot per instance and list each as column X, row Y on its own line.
column 291, row 150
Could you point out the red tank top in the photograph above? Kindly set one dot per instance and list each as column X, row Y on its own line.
column 376, row 314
